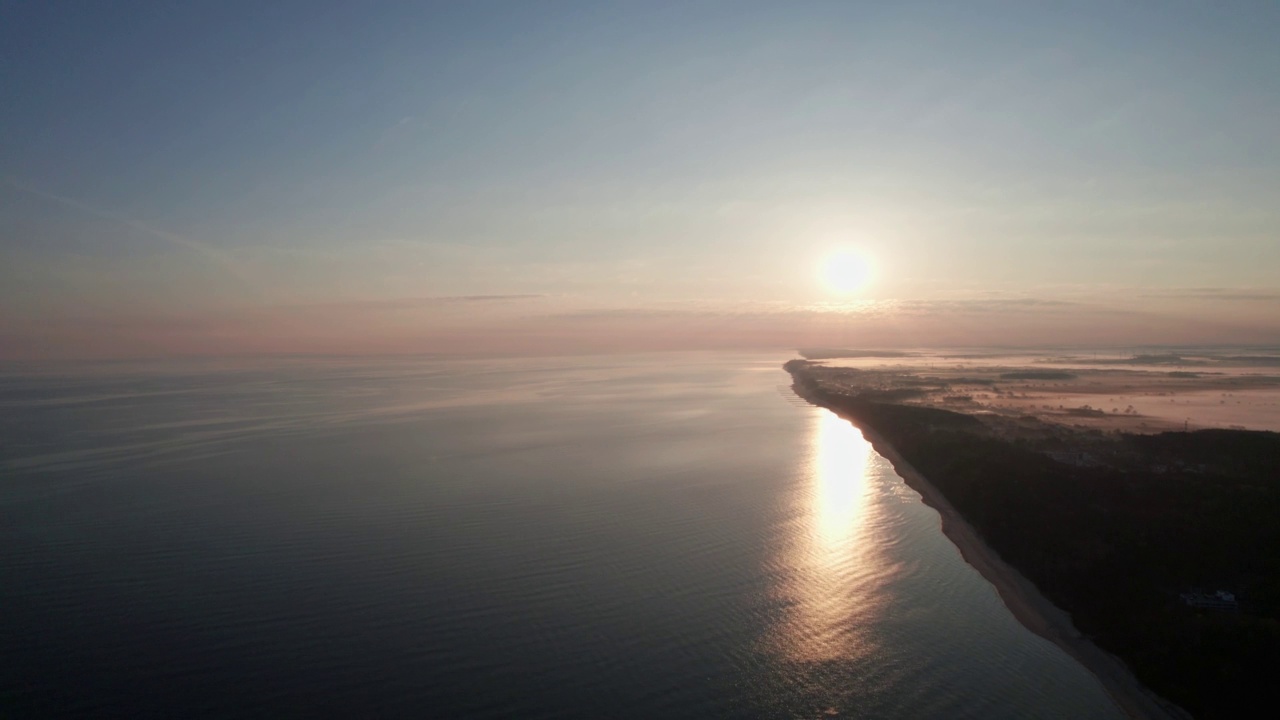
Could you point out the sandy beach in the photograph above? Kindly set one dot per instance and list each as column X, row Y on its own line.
column 1026, row 603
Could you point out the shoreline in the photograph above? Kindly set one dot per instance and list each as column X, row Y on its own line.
column 1028, row 606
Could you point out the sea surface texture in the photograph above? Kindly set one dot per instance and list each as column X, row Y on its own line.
column 667, row 536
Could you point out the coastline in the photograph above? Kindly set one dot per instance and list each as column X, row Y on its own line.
column 1032, row 609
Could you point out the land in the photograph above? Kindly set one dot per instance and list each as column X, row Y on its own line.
column 1100, row 523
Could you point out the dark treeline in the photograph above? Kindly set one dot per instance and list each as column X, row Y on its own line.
column 1114, row 528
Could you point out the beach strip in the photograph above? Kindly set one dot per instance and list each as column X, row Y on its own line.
column 1025, row 601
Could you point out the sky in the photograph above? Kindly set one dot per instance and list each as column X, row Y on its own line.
column 553, row 177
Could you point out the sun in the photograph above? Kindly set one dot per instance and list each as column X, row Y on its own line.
column 846, row 272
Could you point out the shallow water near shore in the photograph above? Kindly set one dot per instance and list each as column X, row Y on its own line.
column 669, row 536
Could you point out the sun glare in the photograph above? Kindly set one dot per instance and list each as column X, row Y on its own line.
column 846, row 272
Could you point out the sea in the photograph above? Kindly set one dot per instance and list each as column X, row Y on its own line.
column 656, row 536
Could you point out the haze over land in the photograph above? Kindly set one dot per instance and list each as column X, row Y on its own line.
column 583, row 177
column 1115, row 392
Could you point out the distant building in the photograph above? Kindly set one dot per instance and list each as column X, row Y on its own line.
column 1078, row 458
column 1221, row 600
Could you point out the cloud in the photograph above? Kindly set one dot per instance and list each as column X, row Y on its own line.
column 213, row 254
column 416, row 302
column 1212, row 293
column 885, row 308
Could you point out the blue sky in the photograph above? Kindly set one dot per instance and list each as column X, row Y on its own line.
column 189, row 161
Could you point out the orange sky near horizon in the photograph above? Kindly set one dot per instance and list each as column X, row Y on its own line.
column 534, row 325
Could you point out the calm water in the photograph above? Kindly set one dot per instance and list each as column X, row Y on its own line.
column 653, row 537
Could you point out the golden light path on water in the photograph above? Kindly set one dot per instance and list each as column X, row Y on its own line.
column 831, row 569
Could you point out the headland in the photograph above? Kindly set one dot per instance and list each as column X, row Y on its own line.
column 1099, row 538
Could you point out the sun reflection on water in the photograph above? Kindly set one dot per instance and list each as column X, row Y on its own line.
column 839, row 490
column 829, row 571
